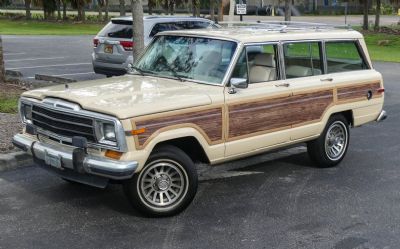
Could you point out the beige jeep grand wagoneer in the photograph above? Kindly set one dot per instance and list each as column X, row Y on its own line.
column 204, row 96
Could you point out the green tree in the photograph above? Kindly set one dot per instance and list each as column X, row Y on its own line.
column 79, row 5
column 49, row 6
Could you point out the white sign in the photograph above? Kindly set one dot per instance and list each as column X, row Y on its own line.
column 241, row 9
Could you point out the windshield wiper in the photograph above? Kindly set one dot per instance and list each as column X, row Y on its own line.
column 138, row 70
column 175, row 73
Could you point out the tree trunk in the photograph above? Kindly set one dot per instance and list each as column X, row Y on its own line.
column 64, row 9
column 194, row 7
column 212, row 10
column 377, row 14
column 106, row 11
column 2, row 70
column 220, row 11
column 365, row 20
column 137, row 28
column 28, row 14
column 198, row 8
column 58, row 2
column 288, row 12
column 172, row 7
column 150, row 7
column 122, row 11
column 231, row 10
column 83, row 13
column 100, row 10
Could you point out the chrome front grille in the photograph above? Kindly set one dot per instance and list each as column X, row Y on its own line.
column 63, row 124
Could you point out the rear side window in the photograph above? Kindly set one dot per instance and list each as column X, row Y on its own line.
column 115, row 30
column 343, row 56
column 302, row 59
column 160, row 27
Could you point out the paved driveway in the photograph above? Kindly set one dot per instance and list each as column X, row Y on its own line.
column 276, row 201
column 64, row 56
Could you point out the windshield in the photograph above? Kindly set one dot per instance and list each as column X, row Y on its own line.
column 199, row 59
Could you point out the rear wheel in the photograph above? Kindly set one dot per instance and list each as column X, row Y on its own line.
column 166, row 185
column 330, row 148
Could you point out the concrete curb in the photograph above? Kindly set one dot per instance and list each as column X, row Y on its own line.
column 54, row 79
column 14, row 160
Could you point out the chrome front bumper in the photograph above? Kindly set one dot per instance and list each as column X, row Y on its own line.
column 382, row 116
column 87, row 164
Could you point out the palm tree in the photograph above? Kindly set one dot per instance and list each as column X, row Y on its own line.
column 28, row 9
column 49, row 6
column 2, row 70
column 365, row 13
column 377, row 14
column 137, row 27
column 122, row 11
column 288, row 12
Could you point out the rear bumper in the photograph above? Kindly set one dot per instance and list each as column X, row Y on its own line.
column 109, row 68
column 73, row 159
column 382, row 116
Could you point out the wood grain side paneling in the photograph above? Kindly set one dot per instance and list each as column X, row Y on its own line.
column 208, row 122
column 358, row 92
column 277, row 113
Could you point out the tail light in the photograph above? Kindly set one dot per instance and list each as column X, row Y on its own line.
column 127, row 45
column 95, row 42
column 381, row 90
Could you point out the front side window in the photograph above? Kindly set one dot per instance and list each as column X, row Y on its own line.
column 193, row 58
column 262, row 63
column 302, row 59
column 343, row 56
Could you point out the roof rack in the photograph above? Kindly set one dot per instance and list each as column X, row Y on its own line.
column 283, row 26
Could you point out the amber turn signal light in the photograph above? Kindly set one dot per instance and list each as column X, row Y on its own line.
column 138, row 131
column 113, row 154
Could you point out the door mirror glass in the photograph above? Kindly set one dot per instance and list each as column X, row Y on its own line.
column 239, row 82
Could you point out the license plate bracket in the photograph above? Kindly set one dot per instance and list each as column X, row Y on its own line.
column 108, row 49
column 53, row 160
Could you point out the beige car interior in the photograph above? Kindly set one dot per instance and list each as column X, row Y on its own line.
column 263, row 68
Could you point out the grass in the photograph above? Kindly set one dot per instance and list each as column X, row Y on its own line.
column 389, row 52
column 9, row 95
column 8, row 27
column 9, row 104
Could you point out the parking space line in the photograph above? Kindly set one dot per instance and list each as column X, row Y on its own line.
column 5, row 54
column 58, row 65
column 34, row 59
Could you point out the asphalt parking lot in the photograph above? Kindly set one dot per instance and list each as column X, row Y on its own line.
column 63, row 56
column 276, row 201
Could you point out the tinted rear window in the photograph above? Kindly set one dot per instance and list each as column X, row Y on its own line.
column 159, row 27
column 117, row 29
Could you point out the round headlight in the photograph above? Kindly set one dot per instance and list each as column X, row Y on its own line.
column 109, row 132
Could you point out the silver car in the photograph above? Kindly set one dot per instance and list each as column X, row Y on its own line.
column 113, row 44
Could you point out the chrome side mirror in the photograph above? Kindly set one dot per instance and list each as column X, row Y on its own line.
column 239, row 83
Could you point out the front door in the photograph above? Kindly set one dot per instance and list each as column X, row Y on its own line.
column 257, row 116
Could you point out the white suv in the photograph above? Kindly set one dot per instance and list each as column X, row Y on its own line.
column 113, row 44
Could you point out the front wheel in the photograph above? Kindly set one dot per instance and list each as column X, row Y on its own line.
column 166, row 185
column 330, row 148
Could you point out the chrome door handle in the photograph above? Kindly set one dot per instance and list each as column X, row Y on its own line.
column 327, row 79
column 283, row 85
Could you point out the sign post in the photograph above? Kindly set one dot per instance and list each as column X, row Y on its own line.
column 241, row 9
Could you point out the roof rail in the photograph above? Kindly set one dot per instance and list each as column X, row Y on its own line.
column 284, row 26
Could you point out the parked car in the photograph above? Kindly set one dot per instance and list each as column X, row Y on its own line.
column 207, row 96
column 112, row 46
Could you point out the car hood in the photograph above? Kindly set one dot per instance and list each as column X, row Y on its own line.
column 127, row 96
